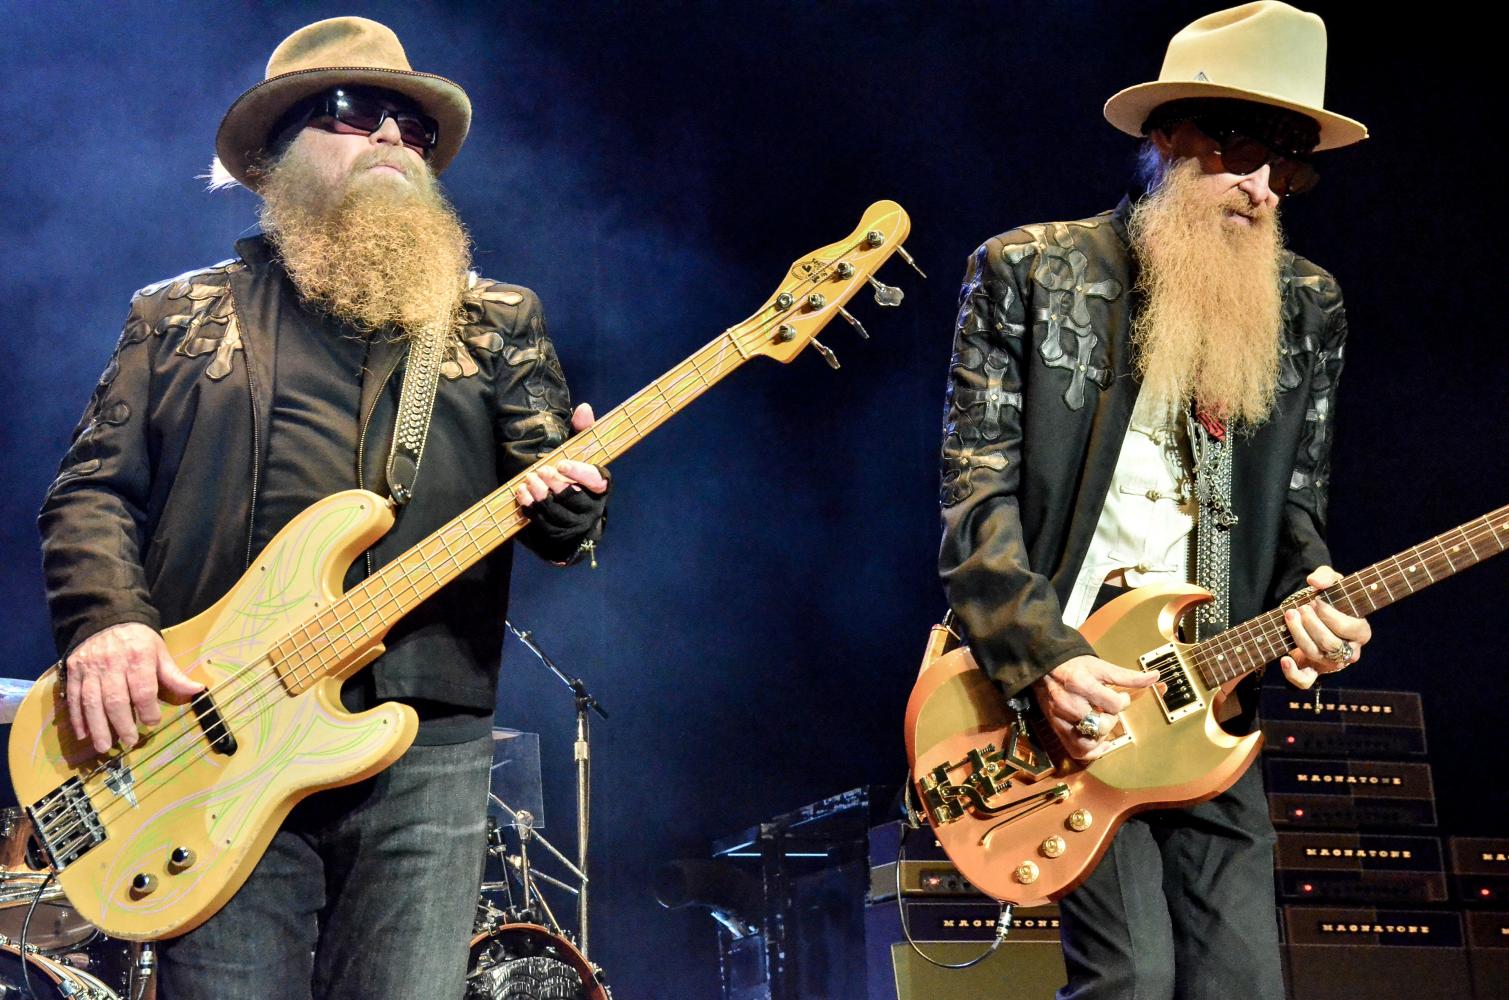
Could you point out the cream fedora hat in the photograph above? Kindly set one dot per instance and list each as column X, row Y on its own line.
column 350, row 50
column 1266, row 52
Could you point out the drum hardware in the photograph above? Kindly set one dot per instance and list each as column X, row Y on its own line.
column 513, row 954
column 523, row 961
column 519, row 866
column 54, row 980
column 582, row 754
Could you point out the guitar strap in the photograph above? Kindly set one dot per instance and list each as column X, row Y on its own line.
column 416, row 403
column 1211, row 451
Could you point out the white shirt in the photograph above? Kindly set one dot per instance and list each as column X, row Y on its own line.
column 1145, row 527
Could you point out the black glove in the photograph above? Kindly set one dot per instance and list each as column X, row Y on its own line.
column 562, row 521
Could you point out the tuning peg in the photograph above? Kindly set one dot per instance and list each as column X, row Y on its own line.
column 886, row 295
column 856, row 324
column 910, row 263
column 827, row 354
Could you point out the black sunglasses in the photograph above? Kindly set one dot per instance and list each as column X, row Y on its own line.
column 1291, row 171
column 363, row 110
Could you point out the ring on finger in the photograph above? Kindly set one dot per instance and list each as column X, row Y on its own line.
column 1088, row 727
column 1341, row 654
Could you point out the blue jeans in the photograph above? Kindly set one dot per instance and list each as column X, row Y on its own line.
column 366, row 893
column 1182, row 905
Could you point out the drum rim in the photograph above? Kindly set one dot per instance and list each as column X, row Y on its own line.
column 578, row 961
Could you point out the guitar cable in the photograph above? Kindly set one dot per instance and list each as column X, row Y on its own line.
column 913, row 821
column 26, row 929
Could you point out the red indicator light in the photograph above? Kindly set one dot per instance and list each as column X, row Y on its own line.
column 1299, row 812
column 1289, row 740
column 1485, row 893
column 1307, row 887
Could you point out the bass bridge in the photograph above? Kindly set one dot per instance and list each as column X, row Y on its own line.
column 988, row 773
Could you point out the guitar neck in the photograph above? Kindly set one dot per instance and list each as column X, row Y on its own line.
column 366, row 612
column 1261, row 640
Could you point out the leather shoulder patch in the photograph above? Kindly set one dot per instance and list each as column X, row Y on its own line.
column 197, row 307
column 489, row 310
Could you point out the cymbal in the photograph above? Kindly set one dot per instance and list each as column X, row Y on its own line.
column 12, row 691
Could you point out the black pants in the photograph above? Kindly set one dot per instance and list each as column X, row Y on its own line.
column 1180, row 906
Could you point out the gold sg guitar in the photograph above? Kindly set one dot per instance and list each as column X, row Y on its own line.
column 148, row 842
column 1025, row 822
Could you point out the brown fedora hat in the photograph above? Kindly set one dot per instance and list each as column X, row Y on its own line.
column 341, row 50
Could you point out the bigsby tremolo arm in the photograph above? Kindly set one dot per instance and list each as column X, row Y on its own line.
column 988, row 772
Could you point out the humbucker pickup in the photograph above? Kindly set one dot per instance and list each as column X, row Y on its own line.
column 1178, row 694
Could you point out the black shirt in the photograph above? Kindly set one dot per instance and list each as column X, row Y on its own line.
column 311, row 453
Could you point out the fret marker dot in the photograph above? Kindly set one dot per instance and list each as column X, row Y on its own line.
column 1373, row 587
column 1220, row 656
column 1412, row 569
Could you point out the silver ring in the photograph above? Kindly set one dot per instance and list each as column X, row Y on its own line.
column 1089, row 727
column 1341, row 654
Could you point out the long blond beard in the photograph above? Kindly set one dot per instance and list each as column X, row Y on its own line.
column 372, row 250
column 1212, row 308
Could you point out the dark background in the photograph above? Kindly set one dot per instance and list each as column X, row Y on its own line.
column 652, row 169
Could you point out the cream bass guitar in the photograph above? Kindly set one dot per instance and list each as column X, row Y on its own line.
column 1025, row 822
column 149, row 841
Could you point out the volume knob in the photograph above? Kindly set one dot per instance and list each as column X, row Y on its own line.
column 1079, row 820
column 1026, row 872
column 180, row 859
column 143, row 884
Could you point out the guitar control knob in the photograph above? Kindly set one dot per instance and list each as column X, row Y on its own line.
column 785, row 333
column 180, row 859
column 1026, row 872
column 1052, row 847
column 784, row 300
column 816, row 300
column 143, row 884
column 1079, row 820
column 845, row 270
column 874, row 237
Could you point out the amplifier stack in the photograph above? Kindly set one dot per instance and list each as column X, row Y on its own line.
column 1367, row 900
column 819, row 904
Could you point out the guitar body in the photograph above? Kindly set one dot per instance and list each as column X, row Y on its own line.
column 1037, row 837
column 173, row 790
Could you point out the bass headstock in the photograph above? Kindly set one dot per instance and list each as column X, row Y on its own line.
column 819, row 284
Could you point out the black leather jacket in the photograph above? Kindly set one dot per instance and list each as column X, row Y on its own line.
column 1041, row 390
column 151, row 517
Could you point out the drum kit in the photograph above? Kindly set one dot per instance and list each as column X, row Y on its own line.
column 518, row 950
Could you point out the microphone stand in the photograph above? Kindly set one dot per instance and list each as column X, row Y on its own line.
column 582, row 754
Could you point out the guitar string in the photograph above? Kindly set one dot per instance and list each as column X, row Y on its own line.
column 262, row 684
column 1269, row 627
column 256, row 677
column 1352, row 588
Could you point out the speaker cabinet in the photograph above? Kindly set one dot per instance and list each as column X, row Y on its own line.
column 1488, row 954
column 1029, row 965
column 1334, row 953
